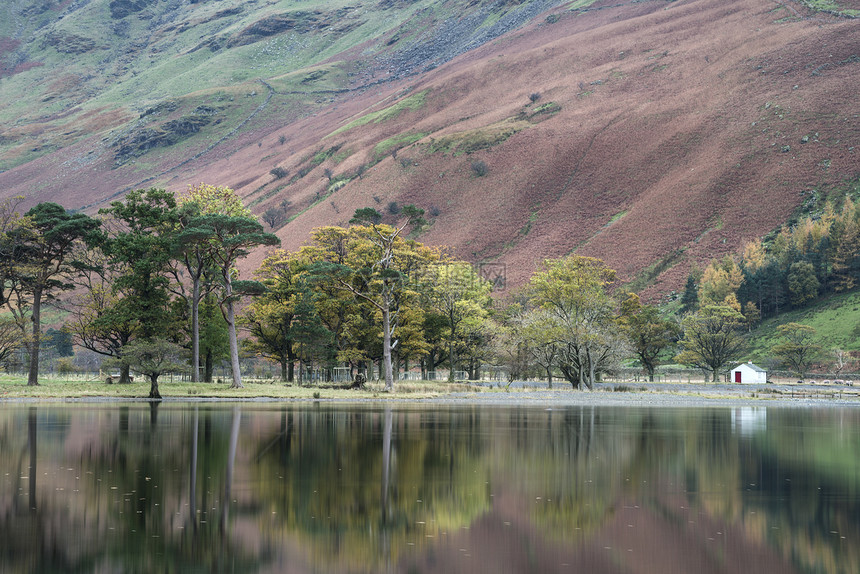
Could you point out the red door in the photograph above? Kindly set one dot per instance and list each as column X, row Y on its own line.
column 737, row 376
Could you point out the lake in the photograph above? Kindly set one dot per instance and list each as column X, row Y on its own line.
column 319, row 487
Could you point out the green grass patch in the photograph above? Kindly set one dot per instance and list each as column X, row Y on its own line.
column 397, row 142
column 616, row 217
column 478, row 139
column 540, row 113
column 832, row 7
column 410, row 103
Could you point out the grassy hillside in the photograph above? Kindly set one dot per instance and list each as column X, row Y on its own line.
column 836, row 320
column 654, row 134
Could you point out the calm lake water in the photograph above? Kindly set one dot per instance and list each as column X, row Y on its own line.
column 295, row 488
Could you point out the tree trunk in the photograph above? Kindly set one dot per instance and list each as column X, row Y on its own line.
column 386, row 344
column 124, row 374
column 195, row 331
column 33, row 375
column 284, row 376
column 153, row 388
column 589, row 382
column 208, row 366
column 234, row 341
column 452, row 360
column 549, row 376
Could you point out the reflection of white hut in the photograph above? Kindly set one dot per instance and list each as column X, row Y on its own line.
column 747, row 421
column 748, row 373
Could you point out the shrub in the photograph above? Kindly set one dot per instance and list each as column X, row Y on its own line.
column 394, row 208
column 534, row 96
column 279, row 172
column 480, row 168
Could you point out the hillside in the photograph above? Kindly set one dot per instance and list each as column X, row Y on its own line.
column 651, row 134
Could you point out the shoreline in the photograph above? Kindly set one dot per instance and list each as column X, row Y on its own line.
column 630, row 395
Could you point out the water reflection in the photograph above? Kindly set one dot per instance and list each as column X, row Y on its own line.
column 313, row 488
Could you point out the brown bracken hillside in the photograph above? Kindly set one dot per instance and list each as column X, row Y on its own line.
column 650, row 134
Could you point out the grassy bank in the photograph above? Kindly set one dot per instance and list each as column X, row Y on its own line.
column 15, row 387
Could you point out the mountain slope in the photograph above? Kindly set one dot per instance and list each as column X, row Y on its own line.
column 651, row 134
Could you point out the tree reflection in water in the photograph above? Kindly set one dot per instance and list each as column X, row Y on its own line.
column 301, row 488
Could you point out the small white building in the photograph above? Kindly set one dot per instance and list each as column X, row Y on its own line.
column 748, row 373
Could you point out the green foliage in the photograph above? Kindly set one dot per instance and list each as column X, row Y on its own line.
column 690, row 297
column 578, row 317
column 139, row 245
column 153, row 358
column 797, row 348
column 39, row 255
column 650, row 334
column 712, row 339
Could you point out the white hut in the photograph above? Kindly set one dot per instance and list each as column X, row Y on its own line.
column 748, row 373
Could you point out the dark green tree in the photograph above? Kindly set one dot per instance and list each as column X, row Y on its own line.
column 214, row 338
column 140, row 243
column 690, row 297
column 43, row 261
column 153, row 358
column 229, row 238
column 650, row 334
column 59, row 341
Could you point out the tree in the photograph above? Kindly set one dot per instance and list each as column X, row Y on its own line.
column 140, row 245
column 214, row 335
column 711, row 338
column 721, row 280
column 649, row 333
column 752, row 315
column 98, row 319
column 192, row 247
column 802, row 283
column 284, row 317
column 535, row 324
column 379, row 282
column 456, row 291
column 841, row 359
column 44, row 260
column 229, row 238
column 846, row 261
column 59, row 341
column 690, row 297
column 581, row 323
column 139, row 248
column 153, row 358
column 10, row 340
column 797, row 348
